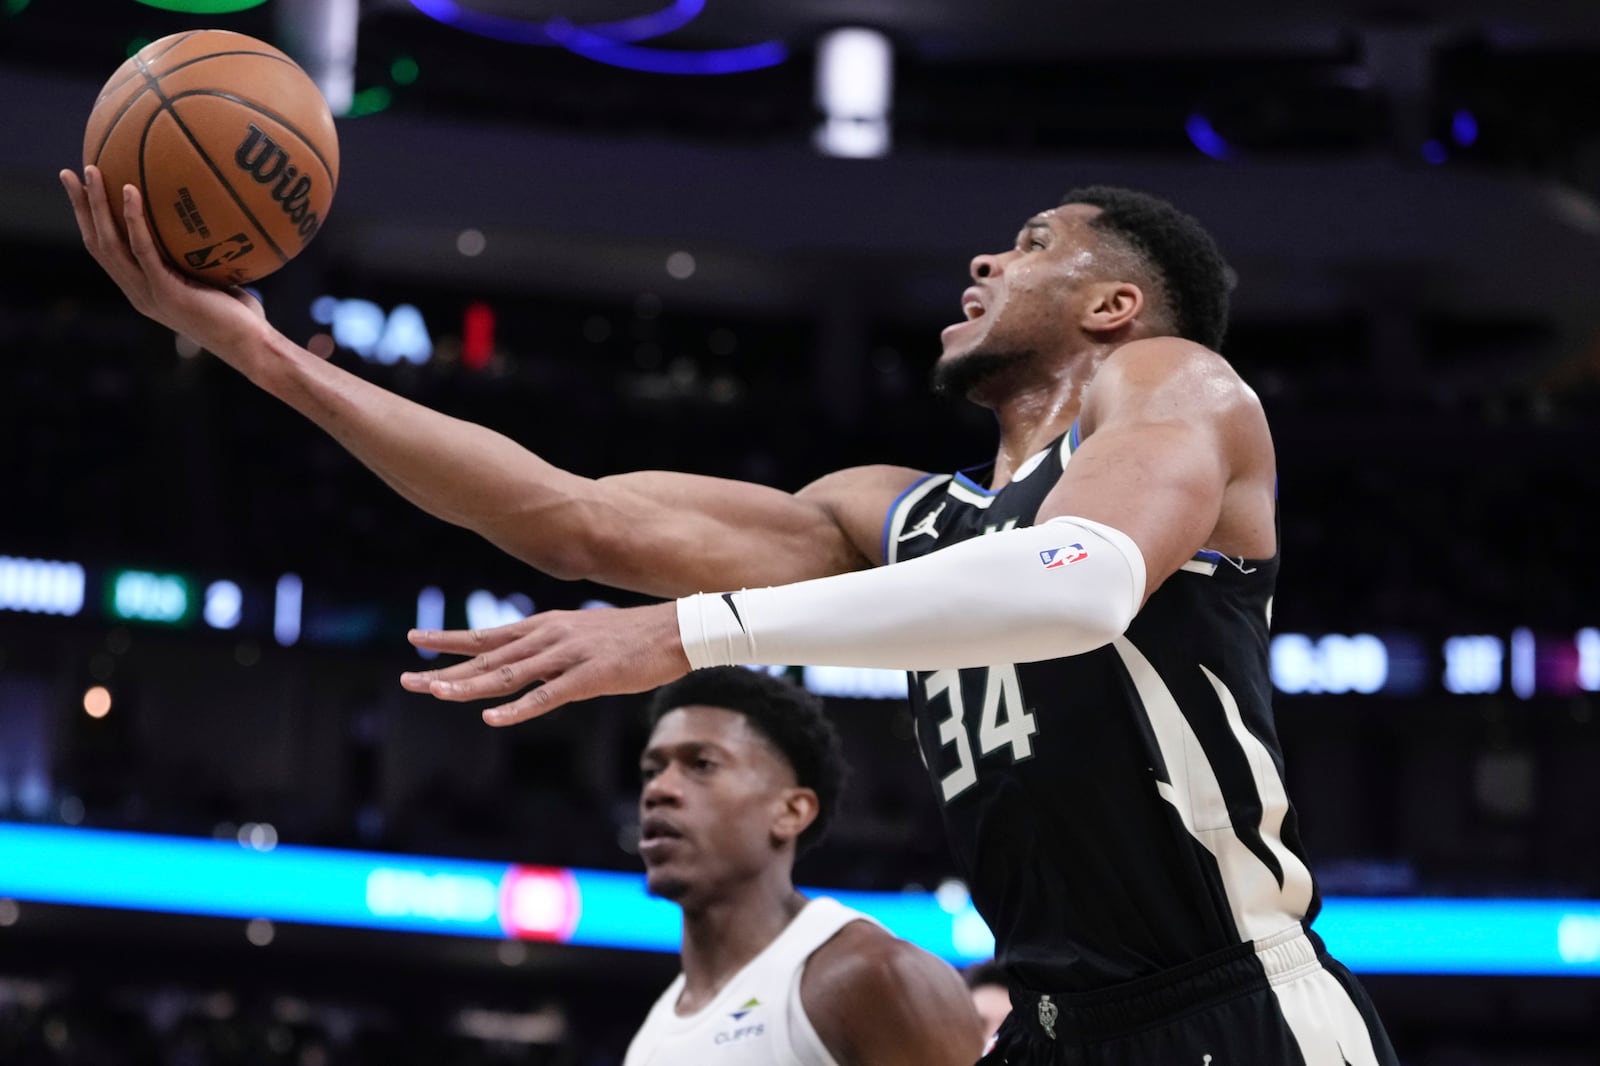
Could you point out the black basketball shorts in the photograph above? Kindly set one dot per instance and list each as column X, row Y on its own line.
column 1280, row 1001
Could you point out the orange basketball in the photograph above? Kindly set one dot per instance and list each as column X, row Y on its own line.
column 232, row 145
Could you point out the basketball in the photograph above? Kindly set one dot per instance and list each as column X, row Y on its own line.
column 231, row 144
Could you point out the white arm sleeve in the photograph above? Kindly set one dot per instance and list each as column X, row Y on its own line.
column 1064, row 587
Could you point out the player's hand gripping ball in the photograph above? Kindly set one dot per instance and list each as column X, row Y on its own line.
column 231, row 144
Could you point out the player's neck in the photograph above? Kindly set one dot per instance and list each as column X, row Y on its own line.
column 721, row 936
column 1035, row 413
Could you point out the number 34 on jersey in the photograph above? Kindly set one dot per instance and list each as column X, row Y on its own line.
column 1003, row 722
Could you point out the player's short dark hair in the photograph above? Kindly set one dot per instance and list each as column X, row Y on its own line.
column 1176, row 248
column 789, row 717
column 987, row 972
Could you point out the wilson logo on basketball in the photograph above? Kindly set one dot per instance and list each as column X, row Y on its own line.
column 262, row 158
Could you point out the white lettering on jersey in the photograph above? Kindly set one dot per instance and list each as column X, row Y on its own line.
column 1002, row 696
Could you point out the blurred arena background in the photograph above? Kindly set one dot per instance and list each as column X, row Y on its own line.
column 642, row 233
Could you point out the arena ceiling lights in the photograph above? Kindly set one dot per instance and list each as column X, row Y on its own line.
column 616, row 43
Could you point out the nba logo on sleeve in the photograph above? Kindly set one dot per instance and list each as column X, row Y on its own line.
column 1055, row 558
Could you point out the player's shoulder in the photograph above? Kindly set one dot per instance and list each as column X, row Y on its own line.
column 873, row 997
column 1156, row 361
column 1169, row 375
column 865, row 959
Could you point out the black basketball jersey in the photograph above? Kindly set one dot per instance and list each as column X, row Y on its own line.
column 1121, row 812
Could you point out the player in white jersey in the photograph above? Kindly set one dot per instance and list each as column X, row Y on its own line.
column 740, row 772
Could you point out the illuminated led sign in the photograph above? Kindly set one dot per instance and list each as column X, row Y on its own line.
column 147, row 596
column 611, row 909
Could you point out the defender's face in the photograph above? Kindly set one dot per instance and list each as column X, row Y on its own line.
column 1023, row 300
column 713, row 789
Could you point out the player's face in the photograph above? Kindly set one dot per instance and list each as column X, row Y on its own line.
column 1023, row 300
column 713, row 790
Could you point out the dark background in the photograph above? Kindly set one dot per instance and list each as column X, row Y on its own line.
column 1415, row 303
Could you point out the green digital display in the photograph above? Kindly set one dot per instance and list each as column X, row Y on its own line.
column 147, row 596
column 204, row 7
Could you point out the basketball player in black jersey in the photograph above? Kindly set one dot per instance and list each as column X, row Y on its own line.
column 1085, row 620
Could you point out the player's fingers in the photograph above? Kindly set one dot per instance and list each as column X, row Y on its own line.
column 140, row 242
column 500, row 680
column 467, row 641
column 554, row 693
column 477, row 666
column 100, row 234
column 416, row 680
column 537, row 656
column 108, row 239
column 79, row 199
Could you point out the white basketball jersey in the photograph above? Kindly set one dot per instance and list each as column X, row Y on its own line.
column 757, row 1019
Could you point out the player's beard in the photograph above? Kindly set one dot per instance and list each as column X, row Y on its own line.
column 972, row 375
column 668, row 888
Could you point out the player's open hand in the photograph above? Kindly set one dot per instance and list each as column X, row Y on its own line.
column 565, row 655
column 214, row 318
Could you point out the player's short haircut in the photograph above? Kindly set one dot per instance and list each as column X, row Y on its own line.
column 1176, row 248
column 785, row 714
column 987, row 972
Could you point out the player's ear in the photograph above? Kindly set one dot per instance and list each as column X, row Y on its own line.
column 1112, row 305
column 798, row 808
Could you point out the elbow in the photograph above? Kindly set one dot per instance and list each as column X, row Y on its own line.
column 1115, row 618
column 1080, row 631
column 581, row 552
column 568, row 559
column 567, row 541
column 1111, row 618
column 1078, row 625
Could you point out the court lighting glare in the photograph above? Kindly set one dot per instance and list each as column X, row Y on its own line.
column 321, row 35
column 854, row 91
column 614, row 43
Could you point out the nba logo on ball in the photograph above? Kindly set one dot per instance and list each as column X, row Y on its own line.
column 1055, row 558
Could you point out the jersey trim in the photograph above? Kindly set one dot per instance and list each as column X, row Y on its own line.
column 804, row 1040
column 1261, row 903
column 1293, row 876
column 1069, row 444
column 966, row 490
column 765, row 994
column 902, row 507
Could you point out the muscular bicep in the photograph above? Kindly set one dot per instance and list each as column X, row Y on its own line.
column 860, row 499
column 1176, row 454
column 878, row 1001
column 1160, row 483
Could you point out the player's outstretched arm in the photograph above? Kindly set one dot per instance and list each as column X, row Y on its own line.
column 659, row 533
column 1175, row 457
column 879, row 1001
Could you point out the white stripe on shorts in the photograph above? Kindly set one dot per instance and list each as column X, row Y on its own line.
column 1319, row 1012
